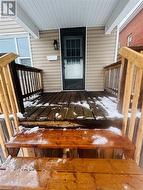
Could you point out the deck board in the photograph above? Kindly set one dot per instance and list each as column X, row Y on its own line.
column 72, row 139
column 72, row 174
column 73, row 105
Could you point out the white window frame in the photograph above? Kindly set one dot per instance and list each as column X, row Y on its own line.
column 15, row 36
column 129, row 39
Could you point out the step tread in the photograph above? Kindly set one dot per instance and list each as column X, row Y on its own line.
column 55, row 173
column 83, row 139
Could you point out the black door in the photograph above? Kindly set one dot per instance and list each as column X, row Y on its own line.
column 73, row 58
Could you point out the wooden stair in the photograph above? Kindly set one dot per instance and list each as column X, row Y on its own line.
column 72, row 174
column 81, row 139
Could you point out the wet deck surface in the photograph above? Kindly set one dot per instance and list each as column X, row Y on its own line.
column 78, row 105
column 72, row 139
column 72, row 174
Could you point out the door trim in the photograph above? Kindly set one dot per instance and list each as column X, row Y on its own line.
column 80, row 31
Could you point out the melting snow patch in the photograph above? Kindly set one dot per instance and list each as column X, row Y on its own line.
column 115, row 130
column 99, row 139
column 110, row 107
column 82, row 104
column 28, row 179
column 138, row 114
column 80, row 117
column 40, row 141
column 99, row 117
column 28, row 167
column 11, row 139
column 32, row 130
column 58, row 116
column 21, row 128
column 64, row 129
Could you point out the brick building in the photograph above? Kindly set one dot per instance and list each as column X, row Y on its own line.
column 132, row 33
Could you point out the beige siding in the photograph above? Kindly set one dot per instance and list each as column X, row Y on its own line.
column 100, row 52
column 41, row 48
column 10, row 27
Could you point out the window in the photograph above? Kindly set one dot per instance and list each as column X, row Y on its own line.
column 18, row 45
column 129, row 40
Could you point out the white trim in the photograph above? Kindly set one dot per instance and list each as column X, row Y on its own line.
column 116, row 45
column 30, row 50
column 132, row 14
column 86, row 58
column 60, row 59
column 26, row 22
column 120, row 12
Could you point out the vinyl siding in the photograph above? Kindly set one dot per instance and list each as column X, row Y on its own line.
column 41, row 48
column 100, row 52
column 9, row 26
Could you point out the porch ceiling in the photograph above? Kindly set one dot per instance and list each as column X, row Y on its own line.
column 54, row 14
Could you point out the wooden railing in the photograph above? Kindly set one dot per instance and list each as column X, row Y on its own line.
column 30, row 80
column 112, row 74
column 27, row 82
column 8, row 102
column 132, row 105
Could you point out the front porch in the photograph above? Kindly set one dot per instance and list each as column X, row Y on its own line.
column 74, row 120
column 72, row 106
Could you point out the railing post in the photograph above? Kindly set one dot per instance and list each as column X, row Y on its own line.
column 17, row 87
column 121, row 88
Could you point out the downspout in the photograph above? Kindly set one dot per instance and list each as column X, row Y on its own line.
column 116, row 47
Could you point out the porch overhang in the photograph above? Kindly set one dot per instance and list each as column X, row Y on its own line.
column 37, row 15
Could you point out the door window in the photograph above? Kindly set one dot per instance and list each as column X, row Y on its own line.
column 73, row 58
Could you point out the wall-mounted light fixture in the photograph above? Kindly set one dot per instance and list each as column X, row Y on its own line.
column 56, row 45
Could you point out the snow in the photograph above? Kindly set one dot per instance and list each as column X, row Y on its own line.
column 109, row 106
column 138, row 114
column 21, row 128
column 99, row 117
column 82, row 104
column 11, row 139
column 80, row 117
column 19, row 115
column 32, row 130
column 30, row 103
column 30, row 179
column 38, row 141
column 115, row 130
column 64, row 129
column 58, row 116
column 97, row 139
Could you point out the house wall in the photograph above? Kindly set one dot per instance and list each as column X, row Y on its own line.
column 9, row 26
column 40, row 49
column 135, row 28
column 100, row 51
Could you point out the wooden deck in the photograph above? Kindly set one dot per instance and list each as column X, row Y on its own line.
column 73, row 139
column 72, row 106
column 72, row 174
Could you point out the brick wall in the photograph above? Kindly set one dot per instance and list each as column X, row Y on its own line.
column 135, row 28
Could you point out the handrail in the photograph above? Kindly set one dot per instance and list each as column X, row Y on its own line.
column 113, row 65
column 8, row 102
column 29, row 79
column 131, row 81
column 133, row 56
column 111, row 75
column 7, row 59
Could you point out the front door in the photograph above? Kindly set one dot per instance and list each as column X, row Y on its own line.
column 73, row 53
